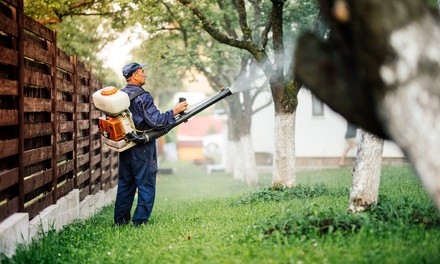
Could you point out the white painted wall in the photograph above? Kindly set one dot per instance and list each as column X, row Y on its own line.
column 316, row 136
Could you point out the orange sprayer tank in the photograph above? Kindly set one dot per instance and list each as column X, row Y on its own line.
column 112, row 128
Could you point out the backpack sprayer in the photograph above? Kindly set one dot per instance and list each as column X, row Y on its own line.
column 117, row 127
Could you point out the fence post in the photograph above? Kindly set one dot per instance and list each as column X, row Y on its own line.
column 75, row 122
column 20, row 74
column 54, row 116
column 90, row 130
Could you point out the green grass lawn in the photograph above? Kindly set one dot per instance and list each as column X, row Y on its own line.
column 200, row 218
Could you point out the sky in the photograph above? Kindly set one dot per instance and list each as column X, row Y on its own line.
column 117, row 53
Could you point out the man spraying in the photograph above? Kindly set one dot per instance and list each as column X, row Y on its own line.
column 138, row 164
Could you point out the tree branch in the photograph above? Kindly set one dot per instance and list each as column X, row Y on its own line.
column 266, row 30
column 241, row 8
column 214, row 32
column 258, row 52
column 59, row 17
column 182, row 30
column 228, row 26
column 277, row 38
column 84, row 4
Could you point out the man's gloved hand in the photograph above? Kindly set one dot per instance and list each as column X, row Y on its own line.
column 180, row 107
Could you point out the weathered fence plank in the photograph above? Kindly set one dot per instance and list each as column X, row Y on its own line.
column 65, row 167
column 37, row 104
column 8, row 147
column 37, row 180
column 34, row 207
column 83, row 177
column 82, row 159
column 65, row 126
column 83, row 124
column 37, row 155
column 8, row 87
column 37, row 53
column 8, row 56
column 33, row 78
column 64, row 188
column 9, row 208
column 37, row 130
column 64, row 147
column 8, row 25
column 95, row 188
column 8, row 178
column 63, row 106
column 83, row 142
column 82, row 107
column 64, row 61
column 14, row 3
column 96, row 144
column 95, row 175
column 35, row 27
column 64, row 85
column 8, row 117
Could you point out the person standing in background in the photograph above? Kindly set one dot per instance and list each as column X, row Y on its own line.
column 350, row 142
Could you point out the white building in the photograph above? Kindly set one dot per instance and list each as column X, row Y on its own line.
column 319, row 133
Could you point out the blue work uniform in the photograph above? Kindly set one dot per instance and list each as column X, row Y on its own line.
column 138, row 165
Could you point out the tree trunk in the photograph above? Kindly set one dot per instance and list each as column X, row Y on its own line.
column 250, row 166
column 366, row 174
column 231, row 150
column 241, row 159
column 383, row 65
column 235, row 159
column 238, row 170
column 284, row 158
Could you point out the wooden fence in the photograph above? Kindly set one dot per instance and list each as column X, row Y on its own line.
column 49, row 140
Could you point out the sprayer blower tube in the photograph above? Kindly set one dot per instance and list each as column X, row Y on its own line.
column 148, row 136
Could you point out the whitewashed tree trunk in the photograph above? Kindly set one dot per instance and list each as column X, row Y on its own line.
column 411, row 112
column 231, row 152
column 284, row 157
column 366, row 174
column 238, row 162
column 250, row 166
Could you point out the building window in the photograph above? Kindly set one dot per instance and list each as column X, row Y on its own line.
column 317, row 106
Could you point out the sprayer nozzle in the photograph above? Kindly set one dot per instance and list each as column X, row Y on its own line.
column 226, row 89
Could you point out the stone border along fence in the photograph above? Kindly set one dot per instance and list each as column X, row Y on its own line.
column 53, row 167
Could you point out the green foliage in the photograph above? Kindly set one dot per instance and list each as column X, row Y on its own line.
column 52, row 12
column 434, row 4
column 314, row 222
column 298, row 192
column 177, row 44
column 200, row 218
column 83, row 28
column 84, row 37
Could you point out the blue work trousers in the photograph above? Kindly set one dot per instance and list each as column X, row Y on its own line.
column 137, row 170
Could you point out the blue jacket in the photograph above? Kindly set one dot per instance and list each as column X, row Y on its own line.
column 146, row 116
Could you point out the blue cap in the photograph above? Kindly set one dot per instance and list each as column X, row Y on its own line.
column 130, row 68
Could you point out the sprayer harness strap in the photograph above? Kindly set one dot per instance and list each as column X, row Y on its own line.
column 135, row 94
column 132, row 96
